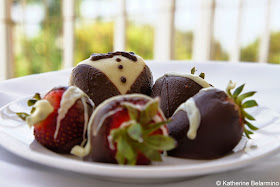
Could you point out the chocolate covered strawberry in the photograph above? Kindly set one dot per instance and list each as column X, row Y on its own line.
column 105, row 75
column 128, row 129
column 175, row 88
column 60, row 118
column 211, row 123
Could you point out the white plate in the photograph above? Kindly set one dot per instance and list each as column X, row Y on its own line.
column 16, row 137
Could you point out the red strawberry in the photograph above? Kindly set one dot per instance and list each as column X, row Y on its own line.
column 59, row 135
column 211, row 123
column 128, row 129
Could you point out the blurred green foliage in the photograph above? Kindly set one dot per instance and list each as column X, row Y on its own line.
column 96, row 37
column 274, row 48
column 43, row 52
column 140, row 39
column 183, row 45
column 217, row 52
column 249, row 53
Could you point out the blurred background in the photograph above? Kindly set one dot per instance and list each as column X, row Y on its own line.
column 46, row 35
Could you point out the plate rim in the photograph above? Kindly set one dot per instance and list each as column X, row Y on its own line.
column 127, row 172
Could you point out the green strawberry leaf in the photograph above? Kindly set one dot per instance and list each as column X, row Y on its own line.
column 134, row 131
column 22, row 115
column 244, row 96
column 149, row 111
column 120, row 158
column 193, row 70
column 151, row 154
column 32, row 110
column 31, row 102
column 126, row 150
column 136, row 136
column 154, row 126
column 249, row 104
column 238, row 91
column 247, row 133
column 116, row 133
column 160, row 142
column 238, row 99
column 248, row 116
column 251, row 126
column 202, row 75
column 132, row 110
column 37, row 96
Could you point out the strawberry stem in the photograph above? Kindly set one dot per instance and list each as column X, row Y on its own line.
column 22, row 115
column 30, row 102
column 193, row 70
column 137, row 137
column 201, row 75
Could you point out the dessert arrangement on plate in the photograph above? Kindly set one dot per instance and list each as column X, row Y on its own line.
column 113, row 112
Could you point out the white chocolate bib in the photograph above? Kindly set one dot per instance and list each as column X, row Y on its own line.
column 121, row 71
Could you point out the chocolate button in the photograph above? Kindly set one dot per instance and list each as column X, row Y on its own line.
column 123, row 79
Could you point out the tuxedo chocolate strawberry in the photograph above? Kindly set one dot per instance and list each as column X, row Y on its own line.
column 211, row 123
column 60, row 118
column 116, row 73
column 128, row 129
column 175, row 88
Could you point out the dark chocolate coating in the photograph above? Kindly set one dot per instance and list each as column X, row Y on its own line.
column 143, row 83
column 173, row 91
column 219, row 132
column 100, row 151
column 93, row 82
column 98, row 86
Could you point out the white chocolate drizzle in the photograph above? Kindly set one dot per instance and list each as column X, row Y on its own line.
column 69, row 97
column 127, row 123
column 81, row 151
column 85, row 116
column 203, row 83
column 93, row 128
column 158, row 119
column 208, row 89
column 193, row 115
column 43, row 109
column 111, row 144
column 109, row 66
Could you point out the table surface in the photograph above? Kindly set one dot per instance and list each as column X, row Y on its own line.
column 16, row 171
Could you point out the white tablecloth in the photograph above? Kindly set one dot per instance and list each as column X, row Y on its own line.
column 16, row 171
